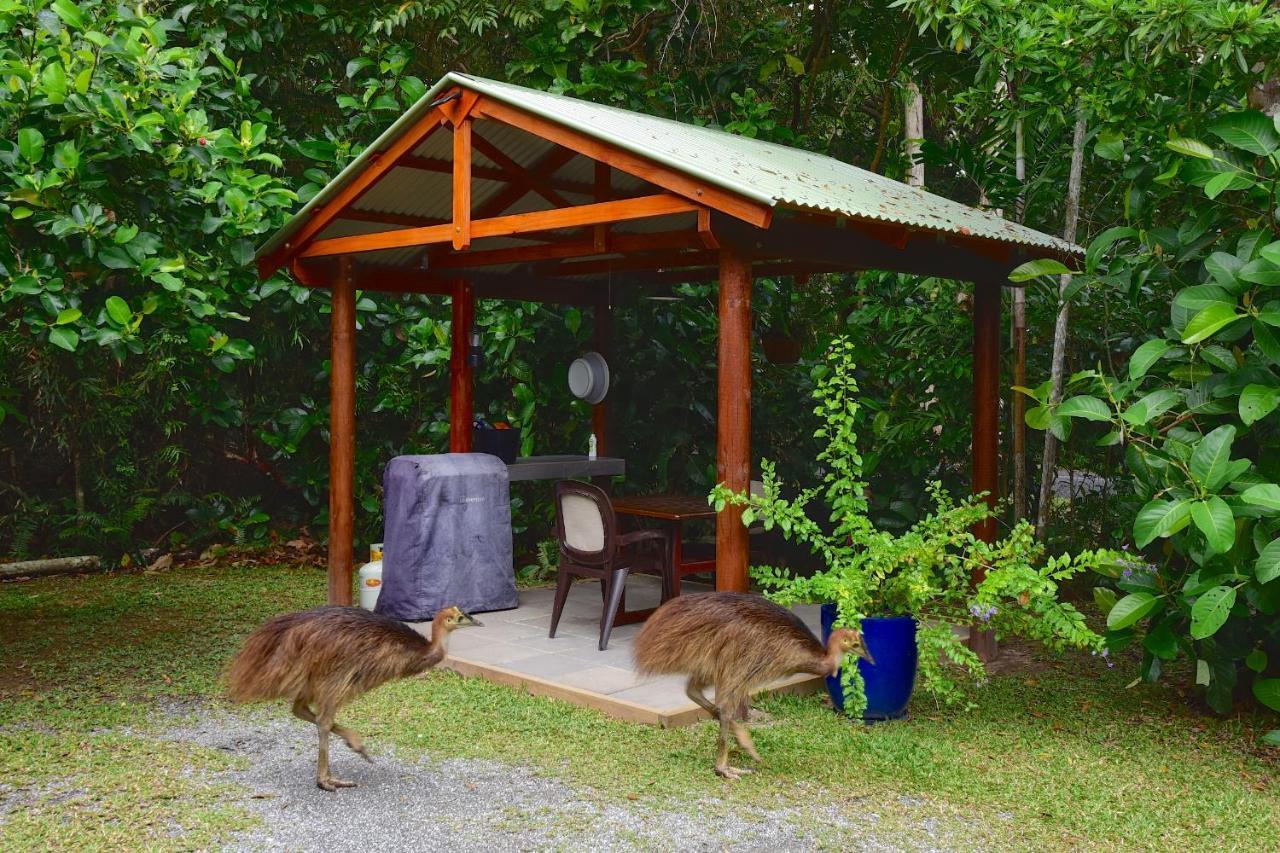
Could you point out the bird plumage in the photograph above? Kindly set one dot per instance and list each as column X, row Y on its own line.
column 737, row 643
column 324, row 658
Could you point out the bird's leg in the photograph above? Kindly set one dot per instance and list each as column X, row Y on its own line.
column 743, row 735
column 303, row 712
column 694, row 691
column 324, row 780
column 722, row 755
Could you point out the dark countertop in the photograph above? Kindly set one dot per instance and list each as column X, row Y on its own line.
column 564, row 467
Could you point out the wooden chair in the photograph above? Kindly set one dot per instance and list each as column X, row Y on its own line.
column 591, row 547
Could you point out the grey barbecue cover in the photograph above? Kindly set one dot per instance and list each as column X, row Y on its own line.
column 447, row 536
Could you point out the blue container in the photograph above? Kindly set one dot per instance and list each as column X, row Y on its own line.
column 891, row 640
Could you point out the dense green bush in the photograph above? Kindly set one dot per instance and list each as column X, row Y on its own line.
column 1196, row 415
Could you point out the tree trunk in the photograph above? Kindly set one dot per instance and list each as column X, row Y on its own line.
column 913, row 134
column 1048, row 464
column 1018, row 336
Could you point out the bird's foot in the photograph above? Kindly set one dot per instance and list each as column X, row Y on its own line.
column 751, row 751
column 732, row 773
column 358, row 749
column 329, row 783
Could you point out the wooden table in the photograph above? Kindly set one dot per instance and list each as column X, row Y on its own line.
column 672, row 511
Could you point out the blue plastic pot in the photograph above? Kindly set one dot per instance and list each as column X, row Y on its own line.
column 891, row 640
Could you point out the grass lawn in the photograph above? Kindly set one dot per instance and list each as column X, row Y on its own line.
column 94, row 668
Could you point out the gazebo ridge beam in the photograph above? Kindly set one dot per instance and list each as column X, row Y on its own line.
column 644, row 207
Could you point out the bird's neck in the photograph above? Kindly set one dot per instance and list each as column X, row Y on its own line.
column 832, row 659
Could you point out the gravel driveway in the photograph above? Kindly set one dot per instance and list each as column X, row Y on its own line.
column 460, row 804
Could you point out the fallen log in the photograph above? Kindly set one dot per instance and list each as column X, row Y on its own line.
column 52, row 566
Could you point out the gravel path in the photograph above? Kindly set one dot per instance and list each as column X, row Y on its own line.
column 428, row 805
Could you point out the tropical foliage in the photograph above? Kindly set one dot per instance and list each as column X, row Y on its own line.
column 926, row 571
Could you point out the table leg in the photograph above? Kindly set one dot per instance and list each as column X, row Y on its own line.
column 677, row 556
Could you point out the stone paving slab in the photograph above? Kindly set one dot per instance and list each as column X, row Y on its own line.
column 512, row 647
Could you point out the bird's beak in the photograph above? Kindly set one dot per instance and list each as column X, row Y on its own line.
column 863, row 653
column 468, row 619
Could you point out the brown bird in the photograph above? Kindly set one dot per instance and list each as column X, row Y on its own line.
column 737, row 643
column 322, row 659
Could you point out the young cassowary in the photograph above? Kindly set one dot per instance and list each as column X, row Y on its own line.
column 737, row 643
column 322, row 659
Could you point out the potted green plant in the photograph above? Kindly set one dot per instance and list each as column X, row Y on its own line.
column 922, row 579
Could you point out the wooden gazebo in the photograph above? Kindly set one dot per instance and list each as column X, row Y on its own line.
column 485, row 189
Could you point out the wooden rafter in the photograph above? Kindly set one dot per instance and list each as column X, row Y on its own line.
column 462, row 184
column 747, row 210
column 379, row 164
column 616, row 243
column 532, row 178
column 548, row 165
column 644, row 207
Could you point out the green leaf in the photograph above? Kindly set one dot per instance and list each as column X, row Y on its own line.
column 67, row 315
column 1258, row 401
column 242, row 252
column 1261, row 271
column 1211, row 460
column 794, row 63
column 1271, row 252
column 1220, row 182
column 1160, row 518
column 69, row 13
column 1161, row 642
column 64, row 337
column 1130, row 609
column 1037, row 268
column 1151, row 406
column 1271, row 738
column 1202, row 672
column 53, row 81
column 1190, row 148
column 1213, row 518
column 1264, row 495
column 1256, row 660
column 1110, row 145
column 31, row 144
column 1249, row 131
column 1146, row 355
column 1084, row 406
column 1267, row 568
column 1105, row 598
column 1223, row 267
column 119, row 310
column 1211, row 319
column 1267, row 691
column 1211, row 610
column 1266, row 342
column 1104, row 241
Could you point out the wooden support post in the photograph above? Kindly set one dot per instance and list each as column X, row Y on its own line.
column 733, row 416
column 462, row 185
column 986, row 425
column 461, row 385
column 342, row 433
column 603, row 319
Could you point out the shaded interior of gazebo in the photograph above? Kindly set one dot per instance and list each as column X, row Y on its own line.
column 487, row 190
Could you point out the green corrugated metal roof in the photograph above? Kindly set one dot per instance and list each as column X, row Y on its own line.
column 771, row 174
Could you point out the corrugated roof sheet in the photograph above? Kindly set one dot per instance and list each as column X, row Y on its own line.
column 761, row 171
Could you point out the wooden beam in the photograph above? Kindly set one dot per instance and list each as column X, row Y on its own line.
column 986, row 427
column 490, row 173
column 603, row 191
column 747, row 210
column 461, row 407
column 462, row 185
column 517, row 190
column 531, row 178
column 657, row 261
column 342, row 433
column 602, row 318
column 379, row 164
column 733, row 417
column 644, row 207
column 616, row 244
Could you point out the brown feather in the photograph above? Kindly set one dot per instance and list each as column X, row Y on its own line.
column 328, row 656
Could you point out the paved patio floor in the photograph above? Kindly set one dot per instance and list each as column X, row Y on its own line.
column 512, row 648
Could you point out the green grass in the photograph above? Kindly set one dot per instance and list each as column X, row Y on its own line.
column 1062, row 756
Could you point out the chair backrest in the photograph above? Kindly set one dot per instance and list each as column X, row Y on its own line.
column 585, row 523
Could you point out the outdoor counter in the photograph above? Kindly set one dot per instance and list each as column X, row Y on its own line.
column 566, row 467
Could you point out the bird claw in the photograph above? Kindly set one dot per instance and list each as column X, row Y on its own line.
column 329, row 783
column 363, row 753
column 732, row 773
